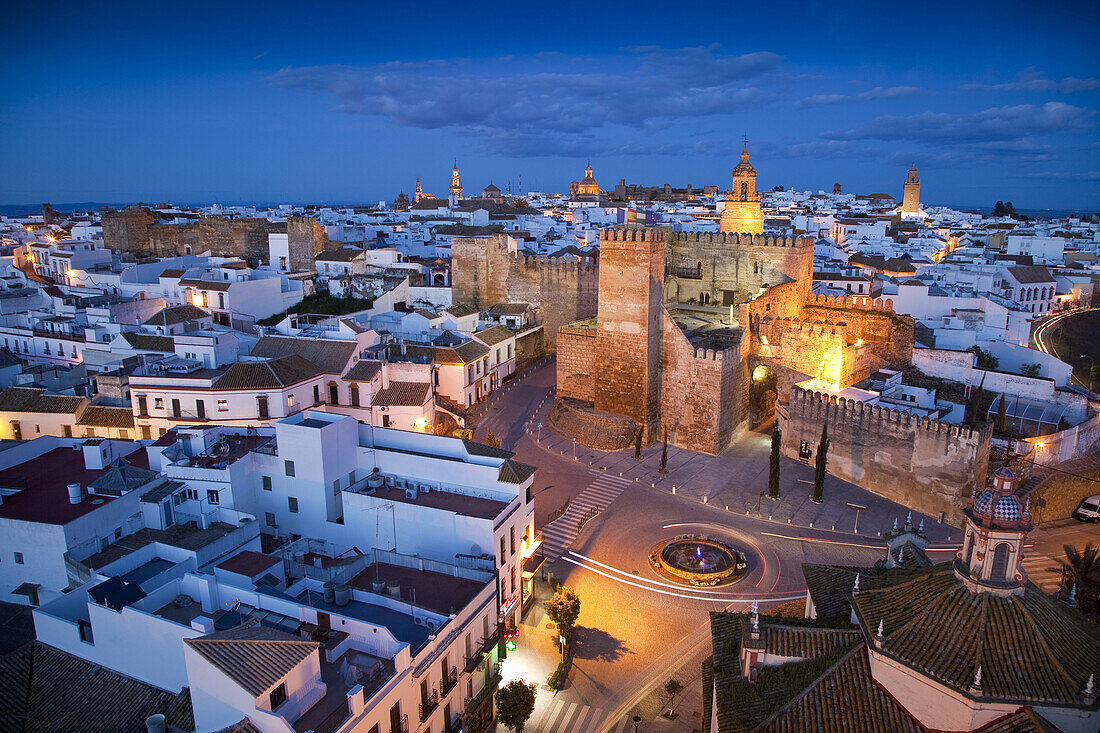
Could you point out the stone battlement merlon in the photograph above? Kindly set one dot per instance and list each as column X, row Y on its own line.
column 853, row 302
column 777, row 327
column 574, row 263
column 741, row 240
column 713, row 354
column 848, row 409
column 647, row 235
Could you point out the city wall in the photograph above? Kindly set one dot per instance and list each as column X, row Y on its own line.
column 576, row 362
column 824, row 350
column 488, row 270
column 873, row 322
column 1060, row 493
column 929, row 465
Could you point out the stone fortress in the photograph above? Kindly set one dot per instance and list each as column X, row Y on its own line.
column 702, row 336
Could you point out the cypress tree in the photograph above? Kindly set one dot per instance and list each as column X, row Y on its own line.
column 1002, row 417
column 819, row 468
column 773, row 469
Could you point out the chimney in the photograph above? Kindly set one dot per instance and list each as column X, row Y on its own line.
column 155, row 723
column 74, row 494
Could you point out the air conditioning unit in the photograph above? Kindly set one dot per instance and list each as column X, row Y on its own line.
column 410, row 493
column 401, row 483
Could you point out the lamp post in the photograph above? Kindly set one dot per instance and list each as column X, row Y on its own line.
column 637, row 719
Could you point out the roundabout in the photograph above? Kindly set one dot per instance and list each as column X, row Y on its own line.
column 697, row 561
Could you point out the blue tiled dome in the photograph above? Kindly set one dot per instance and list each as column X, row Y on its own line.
column 998, row 506
column 984, row 503
column 1005, row 473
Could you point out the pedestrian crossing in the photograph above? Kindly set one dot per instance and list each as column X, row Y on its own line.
column 573, row 717
column 559, row 534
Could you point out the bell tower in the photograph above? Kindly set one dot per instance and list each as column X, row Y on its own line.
column 419, row 194
column 454, row 193
column 910, row 198
column 993, row 542
column 742, row 213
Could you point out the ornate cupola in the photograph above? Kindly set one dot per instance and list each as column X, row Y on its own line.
column 742, row 213
column 992, row 551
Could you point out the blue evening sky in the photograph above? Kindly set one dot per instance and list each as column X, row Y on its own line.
column 351, row 102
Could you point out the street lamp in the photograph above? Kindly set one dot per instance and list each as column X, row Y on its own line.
column 637, row 719
column 574, row 449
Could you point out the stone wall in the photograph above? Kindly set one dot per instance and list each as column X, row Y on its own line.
column 591, row 427
column 732, row 268
column 306, row 238
column 823, row 350
column 136, row 229
column 487, row 270
column 1062, row 491
column 874, row 322
column 576, row 362
column 703, row 392
column 926, row 464
column 629, row 328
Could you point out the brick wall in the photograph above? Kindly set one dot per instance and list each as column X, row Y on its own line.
column 135, row 229
column 488, row 270
column 928, row 465
column 629, row 328
column 576, row 362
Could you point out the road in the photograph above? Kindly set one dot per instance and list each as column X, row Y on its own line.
column 636, row 629
column 1042, row 341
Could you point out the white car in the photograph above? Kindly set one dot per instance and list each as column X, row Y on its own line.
column 1089, row 509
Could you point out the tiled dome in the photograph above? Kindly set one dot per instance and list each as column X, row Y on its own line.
column 998, row 506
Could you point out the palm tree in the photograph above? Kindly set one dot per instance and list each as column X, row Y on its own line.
column 1081, row 568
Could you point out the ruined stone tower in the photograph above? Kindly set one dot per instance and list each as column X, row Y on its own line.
column 305, row 238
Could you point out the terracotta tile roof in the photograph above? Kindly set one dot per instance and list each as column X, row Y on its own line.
column 150, row 342
column 343, row 254
column 474, row 448
column 514, row 472
column 249, row 563
column 830, row 587
column 797, row 641
column 35, row 399
column 330, row 355
column 106, row 416
column 461, row 310
column 172, row 272
column 206, row 284
column 1031, row 274
column 269, row 374
column 177, row 314
column 254, row 658
column 46, row 689
column 465, row 353
column 935, row 625
column 402, row 394
column 363, row 371
column 1024, row 720
column 843, row 699
column 509, row 309
column 494, row 335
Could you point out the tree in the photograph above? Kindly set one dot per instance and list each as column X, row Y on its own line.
column 1002, row 417
column 664, row 453
column 973, row 412
column 1081, row 568
column 491, row 439
column 672, row 689
column 986, row 360
column 638, row 444
column 773, row 468
column 515, row 703
column 999, row 209
column 1030, row 370
column 563, row 608
column 819, row 468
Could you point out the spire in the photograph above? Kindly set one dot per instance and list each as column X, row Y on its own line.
column 901, row 554
column 921, row 527
column 909, row 518
column 745, row 151
column 880, row 636
column 976, row 687
column 895, row 527
column 855, row 588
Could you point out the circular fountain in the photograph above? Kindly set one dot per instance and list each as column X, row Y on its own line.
column 700, row 561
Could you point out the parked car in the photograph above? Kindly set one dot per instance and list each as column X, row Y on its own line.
column 1088, row 510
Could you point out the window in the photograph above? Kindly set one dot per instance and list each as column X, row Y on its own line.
column 316, row 395
column 221, row 300
column 261, row 406
column 124, row 434
column 200, row 409
column 212, row 496
column 265, row 482
column 278, row 695
column 269, row 517
column 158, row 403
column 143, row 407
column 513, row 578
column 19, row 558
column 290, row 401
column 512, row 537
column 336, row 487
column 67, row 431
column 289, row 466
column 118, row 533
column 502, row 553
column 292, row 504
column 224, row 404
column 355, row 395
column 509, row 351
column 146, row 433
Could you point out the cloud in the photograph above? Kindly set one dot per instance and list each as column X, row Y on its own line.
column 820, row 100
column 988, row 128
column 1032, row 80
column 1082, row 176
column 535, row 99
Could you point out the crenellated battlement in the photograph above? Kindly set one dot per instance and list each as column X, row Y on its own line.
column 740, row 240
column 634, row 234
column 855, row 302
column 776, row 328
column 840, row 410
column 717, row 355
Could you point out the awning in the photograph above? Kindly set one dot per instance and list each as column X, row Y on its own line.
column 27, row 589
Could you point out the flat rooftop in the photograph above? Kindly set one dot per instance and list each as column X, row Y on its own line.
column 225, row 451
column 43, row 482
column 461, row 504
column 178, row 535
column 439, row 592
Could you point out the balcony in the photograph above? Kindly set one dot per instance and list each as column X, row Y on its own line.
column 483, row 648
column 454, row 725
column 428, row 705
column 450, row 679
column 402, row 726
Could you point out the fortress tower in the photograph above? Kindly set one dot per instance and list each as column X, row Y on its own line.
column 910, row 199
column 742, row 213
column 454, row 193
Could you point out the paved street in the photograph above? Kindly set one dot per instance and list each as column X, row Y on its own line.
column 1045, row 549
column 636, row 629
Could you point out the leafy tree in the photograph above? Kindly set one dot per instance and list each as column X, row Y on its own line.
column 672, row 689
column 999, row 209
column 515, row 703
column 1002, row 416
column 519, row 203
column 1030, row 370
column 773, row 468
column 491, row 439
column 819, row 468
column 986, row 360
column 1082, row 568
column 563, row 608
